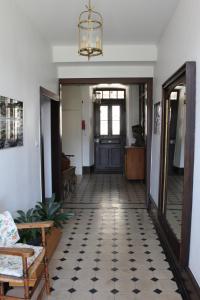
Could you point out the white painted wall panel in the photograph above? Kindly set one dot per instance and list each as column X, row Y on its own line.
column 25, row 61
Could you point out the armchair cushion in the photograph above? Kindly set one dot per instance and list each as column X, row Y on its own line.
column 12, row 265
column 8, row 230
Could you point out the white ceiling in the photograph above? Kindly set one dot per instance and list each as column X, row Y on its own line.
column 125, row 21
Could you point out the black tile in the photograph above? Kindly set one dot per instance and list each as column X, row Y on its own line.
column 157, row 291
column 63, row 259
column 133, row 269
column 55, row 278
column 79, row 259
column 114, row 291
column 135, row 279
column 77, row 268
column 93, row 291
column 94, row 279
column 136, row 291
column 97, row 260
column 114, row 279
column 154, row 279
column 74, row 278
column 72, row 290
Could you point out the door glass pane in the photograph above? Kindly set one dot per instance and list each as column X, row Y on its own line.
column 106, row 94
column 173, row 96
column 98, row 94
column 113, row 94
column 120, row 94
column 103, row 120
column 115, row 119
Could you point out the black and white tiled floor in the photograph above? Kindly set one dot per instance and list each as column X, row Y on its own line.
column 110, row 253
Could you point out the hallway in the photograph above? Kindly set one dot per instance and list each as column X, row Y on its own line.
column 110, row 249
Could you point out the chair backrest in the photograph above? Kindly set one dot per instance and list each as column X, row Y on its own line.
column 8, row 230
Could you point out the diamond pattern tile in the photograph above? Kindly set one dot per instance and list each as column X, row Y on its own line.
column 110, row 249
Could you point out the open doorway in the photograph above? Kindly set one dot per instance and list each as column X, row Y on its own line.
column 77, row 100
column 50, row 129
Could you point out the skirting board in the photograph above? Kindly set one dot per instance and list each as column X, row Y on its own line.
column 187, row 284
column 88, row 170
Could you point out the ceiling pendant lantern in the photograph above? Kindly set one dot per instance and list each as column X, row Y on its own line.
column 90, row 32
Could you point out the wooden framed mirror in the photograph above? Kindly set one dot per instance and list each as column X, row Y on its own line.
column 177, row 159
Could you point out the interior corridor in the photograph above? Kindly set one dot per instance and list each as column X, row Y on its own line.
column 110, row 249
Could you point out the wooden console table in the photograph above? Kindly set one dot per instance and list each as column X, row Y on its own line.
column 135, row 163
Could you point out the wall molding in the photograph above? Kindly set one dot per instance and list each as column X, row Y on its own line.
column 188, row 286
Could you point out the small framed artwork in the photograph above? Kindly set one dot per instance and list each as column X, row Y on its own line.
column 11, row 123
column 157, row 118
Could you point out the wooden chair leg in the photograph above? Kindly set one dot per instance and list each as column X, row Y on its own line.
column 26, row 279
column 1, row 291
column 46, row 274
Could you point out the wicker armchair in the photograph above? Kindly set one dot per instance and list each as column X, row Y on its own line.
column 18, row 261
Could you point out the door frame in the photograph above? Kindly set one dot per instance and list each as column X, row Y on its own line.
column 56, row 113
column 126, row 81
column 188, row 71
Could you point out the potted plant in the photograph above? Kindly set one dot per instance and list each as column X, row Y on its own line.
column 50, row 209
column 28, row 236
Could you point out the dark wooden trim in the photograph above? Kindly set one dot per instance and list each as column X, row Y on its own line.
column 125, row 80
column 56, row 145
column 88, row 169
column 56, row 141
column 187, row 284
column 186, row 74
column 49, row 94
column 149, row 134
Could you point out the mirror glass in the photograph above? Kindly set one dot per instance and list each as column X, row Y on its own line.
column 175, row 158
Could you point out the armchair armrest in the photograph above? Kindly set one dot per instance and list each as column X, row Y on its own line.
column 23, row 252
column 35, row 225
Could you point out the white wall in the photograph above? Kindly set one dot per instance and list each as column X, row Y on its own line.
column 112, row 53
column 88, row 133
column 71, row 129
column 25, row 61
column 181, row 42
column 90, row 70
column 78, row 106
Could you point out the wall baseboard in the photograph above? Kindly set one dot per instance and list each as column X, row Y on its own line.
column 189, row 288
column 88, row 170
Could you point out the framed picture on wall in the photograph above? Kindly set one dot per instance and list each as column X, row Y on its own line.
column 157, row 118
column 11, row 123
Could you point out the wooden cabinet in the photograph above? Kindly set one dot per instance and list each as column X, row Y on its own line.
column 135, row 163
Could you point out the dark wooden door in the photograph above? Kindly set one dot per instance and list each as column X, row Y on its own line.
column 110, row 136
